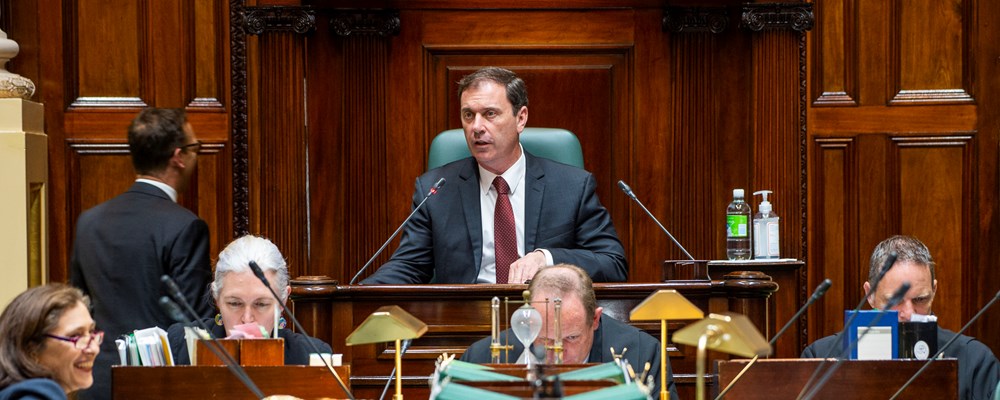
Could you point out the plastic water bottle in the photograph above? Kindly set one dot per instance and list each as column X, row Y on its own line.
column 738, row 228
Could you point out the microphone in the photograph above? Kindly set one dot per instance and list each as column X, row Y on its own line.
column 434, row 189
column 402, row 350
column 177, row 315
column 942, row 349
column 628, row 191
column 819, row 292
column 260, row 275
column 896, row 298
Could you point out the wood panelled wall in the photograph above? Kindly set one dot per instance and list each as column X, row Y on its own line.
column 315, row 134
column 96, row 63
column 903, row 128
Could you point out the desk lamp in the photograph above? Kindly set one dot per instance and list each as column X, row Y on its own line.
column 727, row 332
column 664, row 305
column 387, row 324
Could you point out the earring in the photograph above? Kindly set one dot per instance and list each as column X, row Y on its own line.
column 218, row 319
column 282, row 323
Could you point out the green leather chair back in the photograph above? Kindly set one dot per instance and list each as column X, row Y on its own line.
column 555, row 144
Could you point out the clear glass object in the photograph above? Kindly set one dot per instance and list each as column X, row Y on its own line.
column 526, row 324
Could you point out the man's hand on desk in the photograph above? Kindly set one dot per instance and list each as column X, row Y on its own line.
column 526, row 267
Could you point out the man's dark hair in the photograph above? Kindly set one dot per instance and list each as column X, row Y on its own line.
column 517, row 92
column 907, row 248
column 153, row 136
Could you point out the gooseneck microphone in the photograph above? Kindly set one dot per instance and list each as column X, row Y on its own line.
column 434, row 189
column 402, row 350
column 942, row 349
column 628, row 191
column 817, row 294
column 177, row 315
column 889, row 262
column 896, row 298
column 260, row 275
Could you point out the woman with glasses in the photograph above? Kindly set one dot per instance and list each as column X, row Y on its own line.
column 241, row 298
column 48, row 343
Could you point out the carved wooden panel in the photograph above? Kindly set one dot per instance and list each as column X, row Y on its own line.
column 832, row 212
column 106, row 54
column 935, row 205
column 835, row 53
column 930, row 60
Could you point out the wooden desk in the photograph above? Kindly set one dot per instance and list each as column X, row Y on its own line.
column 217, row 382
column 854, row 379
column 458, row 315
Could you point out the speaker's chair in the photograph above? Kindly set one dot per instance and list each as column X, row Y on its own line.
column 555, row 144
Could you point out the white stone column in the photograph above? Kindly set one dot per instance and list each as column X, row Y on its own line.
column 23, row 181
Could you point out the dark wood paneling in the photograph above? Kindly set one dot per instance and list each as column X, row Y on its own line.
column 922, row 143
column 107, row 49
column 277, row 156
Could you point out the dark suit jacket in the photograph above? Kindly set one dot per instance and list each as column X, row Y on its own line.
column 122, row 248
column 642, row 348
column 562, row 214
column 978, row 368
column 33, row 389
column 297, row 349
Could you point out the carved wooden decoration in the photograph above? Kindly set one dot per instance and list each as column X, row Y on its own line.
column 794, row 16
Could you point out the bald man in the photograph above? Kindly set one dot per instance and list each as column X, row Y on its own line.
column 587, row 334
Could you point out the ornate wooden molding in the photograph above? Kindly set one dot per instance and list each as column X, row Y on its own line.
column 238, row 73
column 366, row 22
column 257, row 20
column 795, row 16
column 695, row 19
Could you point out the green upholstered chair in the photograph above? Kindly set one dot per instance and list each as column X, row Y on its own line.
column 552, row 143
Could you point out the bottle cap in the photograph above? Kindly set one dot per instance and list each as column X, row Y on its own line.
column 765, row 206
column 737, row 193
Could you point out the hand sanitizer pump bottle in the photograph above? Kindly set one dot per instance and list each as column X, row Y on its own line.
column 765, row 230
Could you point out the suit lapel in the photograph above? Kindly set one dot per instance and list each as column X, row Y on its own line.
column 469, row 189
column 534, row 189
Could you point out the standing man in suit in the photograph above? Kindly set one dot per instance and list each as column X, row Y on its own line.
column 125, row 244
column 587, row 334
column 504, row 213
column 978, row 368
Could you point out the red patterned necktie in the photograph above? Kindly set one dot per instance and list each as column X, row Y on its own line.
column 504, row 231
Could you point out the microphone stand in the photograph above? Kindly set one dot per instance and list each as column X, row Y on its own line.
column 175, row 313
column 628, row 191
column 941, row 350
column 260, row 275
column 893, row 301
column 434, row 189
column 819, row 292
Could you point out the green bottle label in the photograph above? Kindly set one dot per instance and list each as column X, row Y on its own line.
column 736, row 226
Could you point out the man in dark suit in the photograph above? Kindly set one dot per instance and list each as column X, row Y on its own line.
column 504, row 213
column 978, row 368
column 125, row 244
column 588, row 335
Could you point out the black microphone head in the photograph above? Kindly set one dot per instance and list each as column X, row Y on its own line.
column 259, row 273
column 436, row 187
column 172, row 287
column 822, row 288
column 625, row 188
column 172, row 309
column 898, row 295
